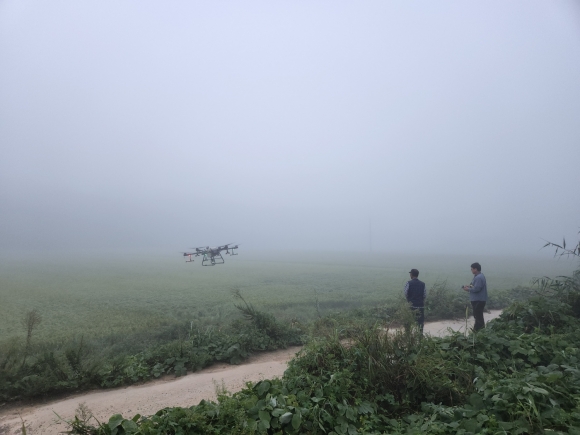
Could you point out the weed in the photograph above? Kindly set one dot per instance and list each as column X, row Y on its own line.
column 30, row 321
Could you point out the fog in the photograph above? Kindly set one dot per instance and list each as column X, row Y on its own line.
column 431, row 127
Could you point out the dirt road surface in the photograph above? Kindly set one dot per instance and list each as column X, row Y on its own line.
column 152, row 396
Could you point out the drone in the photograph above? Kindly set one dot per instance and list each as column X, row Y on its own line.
column 211, row 256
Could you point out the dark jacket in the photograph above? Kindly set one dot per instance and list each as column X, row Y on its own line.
column 415, row 292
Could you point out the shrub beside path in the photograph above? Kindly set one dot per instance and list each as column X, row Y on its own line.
column 148, row 398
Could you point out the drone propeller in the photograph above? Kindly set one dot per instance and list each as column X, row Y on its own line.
column 230, row 247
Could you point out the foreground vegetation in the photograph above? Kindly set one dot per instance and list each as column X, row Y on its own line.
column 113, row 323
column 30, row 370
column 377, row 383
column 521, row 374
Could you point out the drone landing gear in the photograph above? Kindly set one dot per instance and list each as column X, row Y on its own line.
column 216, row 259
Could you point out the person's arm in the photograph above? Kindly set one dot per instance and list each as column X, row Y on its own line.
column 407, row 290
column 424, row 294
column 478, row 284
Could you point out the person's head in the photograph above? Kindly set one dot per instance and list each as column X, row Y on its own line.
column 475, row 268
column 414, row 273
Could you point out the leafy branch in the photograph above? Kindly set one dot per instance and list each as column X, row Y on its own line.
column 247, row 309
column 561, row 250
column 562, row 285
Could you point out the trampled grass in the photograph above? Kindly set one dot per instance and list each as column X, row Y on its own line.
column 99, row 295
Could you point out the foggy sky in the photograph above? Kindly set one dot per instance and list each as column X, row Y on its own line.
column 415, row 126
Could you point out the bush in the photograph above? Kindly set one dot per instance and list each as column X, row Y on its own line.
column 521, row 374
column 55, row 368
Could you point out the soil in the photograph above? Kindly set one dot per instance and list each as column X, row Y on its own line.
column 146, row 399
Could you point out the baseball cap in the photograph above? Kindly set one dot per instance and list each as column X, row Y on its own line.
column 414, row 272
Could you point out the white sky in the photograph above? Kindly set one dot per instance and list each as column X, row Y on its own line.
column 452, row 126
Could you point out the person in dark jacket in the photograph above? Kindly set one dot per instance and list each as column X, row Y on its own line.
column 477, row 295
column 416, row 293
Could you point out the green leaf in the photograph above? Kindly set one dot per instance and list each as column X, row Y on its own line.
column 278, row 412
column 553, row 377
column 476, row 401
column 350, row 414
column 471, row 425
column 286, row 418
column 296, row 421
column 365, row 408
column 129, row 426
column 264, row 416
column 263, row 387
column 115, row 421
column 252, row 425
column 506, row 425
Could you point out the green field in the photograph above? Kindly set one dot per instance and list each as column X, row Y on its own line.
column 98, row 294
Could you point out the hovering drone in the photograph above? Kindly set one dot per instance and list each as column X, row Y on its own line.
column 211, row 256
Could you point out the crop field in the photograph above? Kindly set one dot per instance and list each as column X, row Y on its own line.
column 98, row 295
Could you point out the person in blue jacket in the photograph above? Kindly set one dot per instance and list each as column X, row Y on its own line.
column 477, row 295
column 416, row 293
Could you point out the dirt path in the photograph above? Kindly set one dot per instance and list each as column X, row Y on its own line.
column 148, row 398
column 438, row 329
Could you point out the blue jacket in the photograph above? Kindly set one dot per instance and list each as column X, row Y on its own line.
column 479, row 290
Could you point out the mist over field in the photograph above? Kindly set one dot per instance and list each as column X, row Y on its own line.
column 412, row 127
column 340, row 144
column 102, row 294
